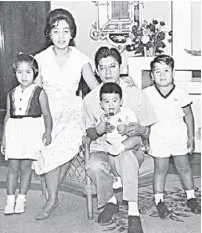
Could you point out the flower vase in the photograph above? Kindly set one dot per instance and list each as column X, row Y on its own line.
column 149, row 52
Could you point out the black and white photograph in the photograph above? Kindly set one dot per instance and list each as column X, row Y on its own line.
column 100, row 116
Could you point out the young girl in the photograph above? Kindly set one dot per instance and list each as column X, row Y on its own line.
column 172, row 134
column 23, row 132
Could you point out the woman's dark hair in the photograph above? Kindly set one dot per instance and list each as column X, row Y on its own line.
column 109, row 88
column 104, row 52
column 21, row 57
column 53, row 18
column 163, row 58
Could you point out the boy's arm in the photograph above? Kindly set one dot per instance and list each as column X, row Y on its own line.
column 48, row 122
column 189, row 120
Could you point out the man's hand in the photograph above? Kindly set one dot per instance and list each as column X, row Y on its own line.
column 135, row 129
column 121, row 128
column 109, row 128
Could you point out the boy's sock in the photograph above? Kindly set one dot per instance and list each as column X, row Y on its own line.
column 11, row 198
column 190, row 194
column 158, row 197
column 133, row 209
column 113, row 200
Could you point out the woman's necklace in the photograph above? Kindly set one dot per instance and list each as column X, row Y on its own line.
column 61, row 58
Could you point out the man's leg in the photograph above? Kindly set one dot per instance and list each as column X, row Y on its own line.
column 128, row 163
column 99, row 170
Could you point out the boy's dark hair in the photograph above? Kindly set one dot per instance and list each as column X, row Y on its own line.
column 104, row 52
column 22, row 57
column 53, row 18
column 163, row 58
column 109, row 88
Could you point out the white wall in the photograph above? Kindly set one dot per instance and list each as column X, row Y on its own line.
column 84, row 13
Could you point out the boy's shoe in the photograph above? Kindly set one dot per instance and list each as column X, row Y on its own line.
column 162, row 209
column 20, row 207
column 134, row 224
column 193, row 205
column 105, row 217
column 9, row 208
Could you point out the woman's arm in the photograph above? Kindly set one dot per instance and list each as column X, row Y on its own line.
column 48, row 122
column 38, row 81
column 3, row 146
column 189, row 120
column 89, row 76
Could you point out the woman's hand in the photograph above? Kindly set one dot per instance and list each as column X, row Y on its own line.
column 128, row 80
column 47, row 138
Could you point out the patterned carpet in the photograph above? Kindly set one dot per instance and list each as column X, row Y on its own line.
column 175, row 201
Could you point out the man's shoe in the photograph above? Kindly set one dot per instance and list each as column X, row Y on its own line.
column 194, row 206
column 162, row 209
column 105, row 217
column 134, row 224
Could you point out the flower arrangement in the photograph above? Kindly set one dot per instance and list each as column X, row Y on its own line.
column 147, row 37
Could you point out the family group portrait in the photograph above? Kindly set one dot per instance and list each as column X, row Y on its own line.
column 100, row 116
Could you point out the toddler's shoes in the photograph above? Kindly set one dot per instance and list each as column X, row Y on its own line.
column 117, row 182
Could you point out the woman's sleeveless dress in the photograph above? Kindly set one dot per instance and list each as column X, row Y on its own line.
column 60, row 85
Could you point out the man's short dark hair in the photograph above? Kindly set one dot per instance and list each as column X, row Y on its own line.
column 104, row 52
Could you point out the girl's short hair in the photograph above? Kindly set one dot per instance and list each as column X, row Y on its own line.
column 104, row 52
column 109, row 88
column 21, row 57
column 58, row 15
column 162, row 58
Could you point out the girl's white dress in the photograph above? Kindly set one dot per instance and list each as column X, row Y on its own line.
column 23, row 135
column 61, row 85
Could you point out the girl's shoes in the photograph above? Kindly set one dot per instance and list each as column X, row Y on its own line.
column 20, row 207
column 10, row 205
column 9, row 208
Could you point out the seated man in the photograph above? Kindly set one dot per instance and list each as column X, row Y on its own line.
column 128, row 162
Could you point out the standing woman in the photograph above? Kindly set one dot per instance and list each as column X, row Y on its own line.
column 61, row 67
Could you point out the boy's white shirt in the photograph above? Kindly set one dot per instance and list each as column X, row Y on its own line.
column 124, row 116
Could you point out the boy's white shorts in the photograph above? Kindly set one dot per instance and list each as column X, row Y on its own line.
column 168, row 139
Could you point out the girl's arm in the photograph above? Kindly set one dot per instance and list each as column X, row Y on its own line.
column 189, row 120
column 89, row 76
column 48, row 122
column 3, row 146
